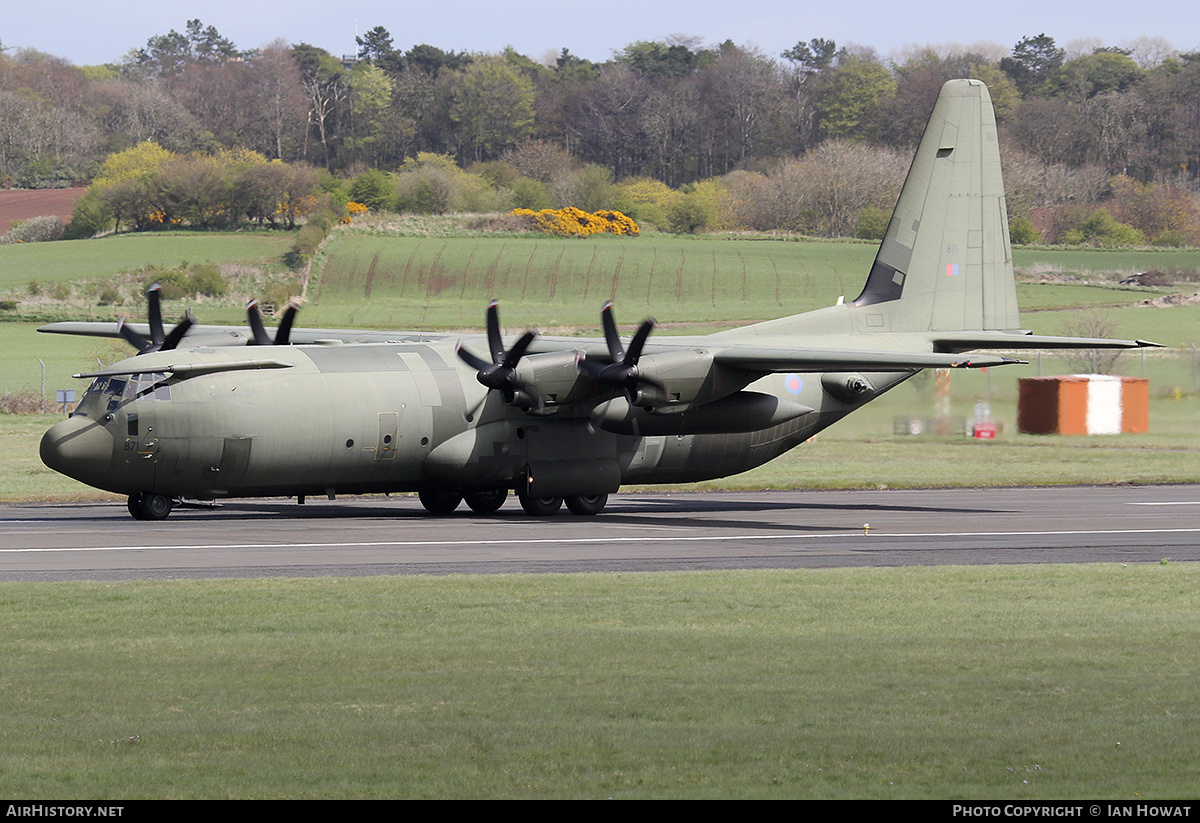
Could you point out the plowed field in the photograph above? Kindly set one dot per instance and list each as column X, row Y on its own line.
column 21, row 204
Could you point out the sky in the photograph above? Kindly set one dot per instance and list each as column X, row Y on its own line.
column 87, row 33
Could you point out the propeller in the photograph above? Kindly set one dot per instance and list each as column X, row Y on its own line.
column 159, row 339
column 260, row 337
column 501, row 373
column 622, row 373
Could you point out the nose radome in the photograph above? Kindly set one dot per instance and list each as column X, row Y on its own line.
column 80, row 448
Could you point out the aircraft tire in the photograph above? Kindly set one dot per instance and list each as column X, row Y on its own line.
column 439, row 501
column 540, row 506
column 586, row 504
column 486, row 501
column 150, row 506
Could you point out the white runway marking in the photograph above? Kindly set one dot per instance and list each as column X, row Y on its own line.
column 560, row 541
column 1169, row 503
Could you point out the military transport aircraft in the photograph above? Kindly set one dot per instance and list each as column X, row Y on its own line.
column 205, row 413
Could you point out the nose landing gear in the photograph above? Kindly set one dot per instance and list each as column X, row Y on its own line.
column 150, row 506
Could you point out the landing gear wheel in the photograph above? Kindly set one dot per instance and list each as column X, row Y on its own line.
column 540, row 506
column 150, row 506
column 486, row 501
column 439, row 501
column 586, row 504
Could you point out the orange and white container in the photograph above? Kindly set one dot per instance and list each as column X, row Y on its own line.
column 1083, row 404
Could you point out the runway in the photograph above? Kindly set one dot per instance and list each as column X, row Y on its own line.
column 637, row 532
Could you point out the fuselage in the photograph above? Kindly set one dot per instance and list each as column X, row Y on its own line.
column 404, row 417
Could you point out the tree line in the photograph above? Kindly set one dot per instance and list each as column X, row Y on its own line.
column 799, row 141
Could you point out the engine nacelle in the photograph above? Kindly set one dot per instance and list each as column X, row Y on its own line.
column 546, row 381
column 688, row 377
column 744, row 411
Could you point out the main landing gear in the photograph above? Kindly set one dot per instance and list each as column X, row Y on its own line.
column 489, row 501
column 150, row 506
column 578, row 504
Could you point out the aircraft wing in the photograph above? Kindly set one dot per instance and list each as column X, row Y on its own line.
column 200, row 335
column 186, row 370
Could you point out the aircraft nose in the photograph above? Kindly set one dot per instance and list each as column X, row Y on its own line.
column 78, row 447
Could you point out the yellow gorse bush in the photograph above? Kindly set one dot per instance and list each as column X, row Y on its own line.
column 573, row 222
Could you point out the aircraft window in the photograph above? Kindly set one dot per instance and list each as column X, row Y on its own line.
column 116, row 387
column 98, row 385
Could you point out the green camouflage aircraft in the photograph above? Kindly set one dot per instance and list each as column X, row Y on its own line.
column 336, row 411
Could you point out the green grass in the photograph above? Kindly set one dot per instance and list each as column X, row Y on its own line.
column 986, row 682
column 688, row 284
column 63, row 356
column 1084, row 261
column 423, row 282
column 73, row 260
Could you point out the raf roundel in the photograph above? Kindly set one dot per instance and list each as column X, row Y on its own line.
column 793, row 384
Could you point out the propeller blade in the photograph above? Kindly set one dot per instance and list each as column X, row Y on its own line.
column 284, row 333
column 622, row 372
column 258, row 330
column 259, row 336
column 154, row 299
column 615, row 351
column 639, row 341
column 159, row 339
column 471, row 359
column 173, row 339
column 495, row 344
column 501, row 373
column 138, row 341
column 518, row 350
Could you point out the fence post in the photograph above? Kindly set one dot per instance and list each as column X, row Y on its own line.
column 1195, row 370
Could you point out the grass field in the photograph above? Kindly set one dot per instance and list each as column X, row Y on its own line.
column 983, row 683
column 1015, row 682
column 70, row 260
column 549, row 282
column 443, row 282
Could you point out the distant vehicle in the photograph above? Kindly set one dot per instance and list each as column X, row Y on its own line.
column 198, row 415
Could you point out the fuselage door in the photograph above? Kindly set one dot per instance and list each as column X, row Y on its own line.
column 389, row 431
column 235, row 458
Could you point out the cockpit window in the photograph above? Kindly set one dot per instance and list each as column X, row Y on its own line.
column 151, row 386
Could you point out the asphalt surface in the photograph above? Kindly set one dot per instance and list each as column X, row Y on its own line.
column 636, row 532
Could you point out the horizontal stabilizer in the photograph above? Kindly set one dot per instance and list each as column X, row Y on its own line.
column 816, row 360
column 967, row 340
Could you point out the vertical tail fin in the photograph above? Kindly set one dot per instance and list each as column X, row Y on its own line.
column 946, row 262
